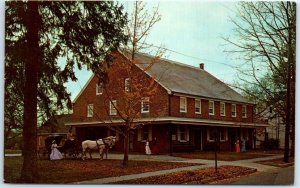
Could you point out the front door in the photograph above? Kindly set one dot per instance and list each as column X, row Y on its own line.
column 233, row 135
column 197, row 138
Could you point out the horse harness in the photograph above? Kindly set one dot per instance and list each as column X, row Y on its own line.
column 104, row 143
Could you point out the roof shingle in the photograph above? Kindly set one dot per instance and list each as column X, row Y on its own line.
column 189, row 80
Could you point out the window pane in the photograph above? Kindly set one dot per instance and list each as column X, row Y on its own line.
column 99, row 88
column 182, row 104
column 233, row 110
column 222, row 134
column 211, row 107
column 90, row 110
column 244, row 111
column 182, row 133
column 223, row 109
column 145, row 104
column 127, row 84
column 197, row 106
column 113, row 110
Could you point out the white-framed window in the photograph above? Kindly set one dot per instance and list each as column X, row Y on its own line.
column 112, row 109
column 233, row 110
column 198, row 106
column 127, row 84
column 183, row 133
column 90, row 110
column 145, row 105
column 222, row 109
column 244, row 111
column 211, row 107
column 221, row 132
column 211, row 134
column 182, row 104
column 99, row 88
column 145, row 133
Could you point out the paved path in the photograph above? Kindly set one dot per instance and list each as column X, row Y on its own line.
column 279, row 176
column 265, row 175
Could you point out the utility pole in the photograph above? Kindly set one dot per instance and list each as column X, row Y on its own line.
column 216, row 140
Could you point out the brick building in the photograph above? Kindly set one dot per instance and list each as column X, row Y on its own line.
column 187, row 109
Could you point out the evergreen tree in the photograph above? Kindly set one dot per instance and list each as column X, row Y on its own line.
column 37, row 34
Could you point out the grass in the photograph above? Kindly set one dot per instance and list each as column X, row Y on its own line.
column 198, row 176
column 12, row 151
column 223, row 156
column 68, row 171
column 278, row 162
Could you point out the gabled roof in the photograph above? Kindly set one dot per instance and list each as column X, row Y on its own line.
column 184, row 79
column 188, row 80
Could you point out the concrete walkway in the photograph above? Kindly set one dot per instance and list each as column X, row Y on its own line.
column 265, row 175
column 279, row 176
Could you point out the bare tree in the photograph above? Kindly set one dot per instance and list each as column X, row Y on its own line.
column 129, row 78
column 266, row 42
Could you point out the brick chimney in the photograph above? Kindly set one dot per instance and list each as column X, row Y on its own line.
column 201, row 65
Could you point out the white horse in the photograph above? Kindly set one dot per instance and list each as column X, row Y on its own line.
column 100, row 144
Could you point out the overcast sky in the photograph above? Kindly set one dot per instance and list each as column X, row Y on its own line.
column 192, row 28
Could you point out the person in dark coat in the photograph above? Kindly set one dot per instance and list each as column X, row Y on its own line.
column 155, row 148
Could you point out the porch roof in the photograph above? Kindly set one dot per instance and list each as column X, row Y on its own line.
column 171, row 120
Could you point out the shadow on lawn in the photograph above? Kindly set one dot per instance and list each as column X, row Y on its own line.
column 67, row 171
column 224, row 156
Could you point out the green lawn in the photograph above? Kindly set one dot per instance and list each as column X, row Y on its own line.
column 223, row 156
column 12, row 151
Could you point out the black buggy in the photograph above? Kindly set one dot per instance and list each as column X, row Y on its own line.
column 69, row 148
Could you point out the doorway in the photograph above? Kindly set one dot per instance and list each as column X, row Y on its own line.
column 233, row 134
column 198, row 139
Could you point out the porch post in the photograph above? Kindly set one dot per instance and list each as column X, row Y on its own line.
column 170, row 140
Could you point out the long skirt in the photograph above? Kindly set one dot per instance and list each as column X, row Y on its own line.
column 55, row 154
column 155, row 149
column 148, row 150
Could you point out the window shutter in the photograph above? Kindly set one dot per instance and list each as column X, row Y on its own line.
column 139, row 136
column 178, row 133
column 150, row 133
column 187, row 132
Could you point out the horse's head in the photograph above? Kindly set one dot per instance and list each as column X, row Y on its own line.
column 111, row 141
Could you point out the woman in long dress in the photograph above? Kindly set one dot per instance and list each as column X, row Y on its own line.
column 155, row 149
column 147, row 148
column 55, row 153
column 237, row 146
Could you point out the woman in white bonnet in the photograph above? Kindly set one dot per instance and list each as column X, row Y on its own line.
column 147, row 148
column 55, row 153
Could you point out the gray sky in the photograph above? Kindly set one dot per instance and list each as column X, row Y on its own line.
column 192, row 28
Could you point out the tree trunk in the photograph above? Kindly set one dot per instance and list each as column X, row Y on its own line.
column 29, row 173
column 126, row 145
column 288, row 95
column 292, row 153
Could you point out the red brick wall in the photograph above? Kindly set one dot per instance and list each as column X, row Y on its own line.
column 158, row 98
column 175, row 102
